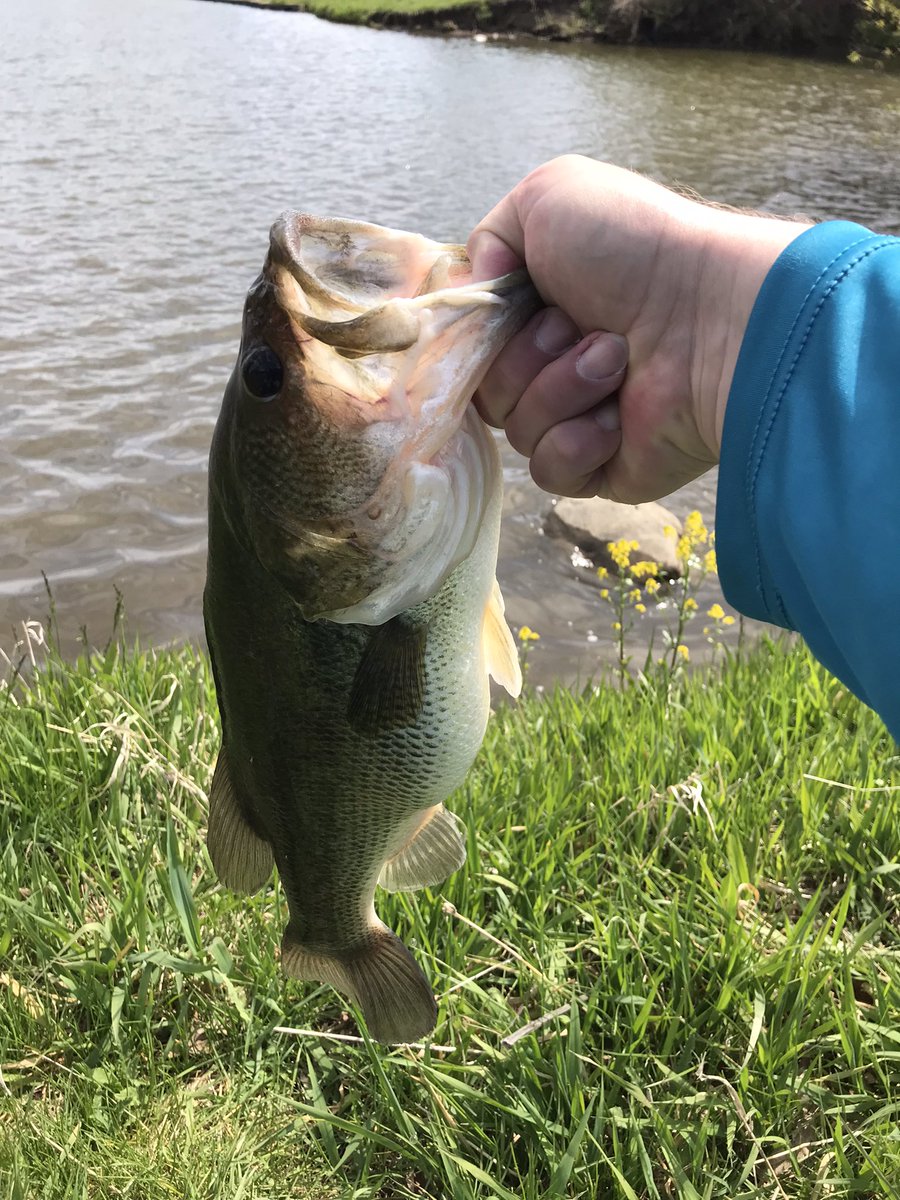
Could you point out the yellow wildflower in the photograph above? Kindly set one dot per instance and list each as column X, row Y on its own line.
column 669, row 531
column 528, row 635
column 683, row 548
column 620, row 551
column 683, row 651
column 717, row 612
column 602, row 572
column 604, row 593
column 617, row 625
column 709, row 561
column 694, row 528
column 634, row 594
column 728, row 620
column 644, row 568
column 691, row 605
column 641, row 608
column 651, row 587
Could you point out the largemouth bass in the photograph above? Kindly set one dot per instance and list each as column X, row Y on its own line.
column 352, row 610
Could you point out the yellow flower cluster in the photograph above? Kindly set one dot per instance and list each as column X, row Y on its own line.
column 694, row 535
column 651, row 587
column 694, row 527
column 717, row 612
column 709, row 561
column 528, row 635
column 683, row 652
column 620, row 552
column 640, row 570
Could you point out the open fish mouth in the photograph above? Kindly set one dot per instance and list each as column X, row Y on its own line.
column 394, row 338
column 369, row 292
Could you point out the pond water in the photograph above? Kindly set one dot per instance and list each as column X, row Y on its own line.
column 145, row 149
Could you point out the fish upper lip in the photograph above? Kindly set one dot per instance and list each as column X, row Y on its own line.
column 392, row 324
column 391, row 314
column 286, row 252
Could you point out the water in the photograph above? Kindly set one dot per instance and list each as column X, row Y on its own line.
column 145, row 149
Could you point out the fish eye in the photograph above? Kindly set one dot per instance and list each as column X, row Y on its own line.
column 262, row 373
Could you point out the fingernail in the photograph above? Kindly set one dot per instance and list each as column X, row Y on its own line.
column 607, row 417
column 606, row 356
column 556, row 332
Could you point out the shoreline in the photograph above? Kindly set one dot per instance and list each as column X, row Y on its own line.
column 856, row 33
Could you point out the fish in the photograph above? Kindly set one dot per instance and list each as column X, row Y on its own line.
column 351, row 606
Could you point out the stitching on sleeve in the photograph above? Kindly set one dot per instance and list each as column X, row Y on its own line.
column 754, row 465
column 749, row 481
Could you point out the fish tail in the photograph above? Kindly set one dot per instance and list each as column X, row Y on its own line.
column 379, row 975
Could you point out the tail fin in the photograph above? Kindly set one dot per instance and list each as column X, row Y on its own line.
column 379, row 974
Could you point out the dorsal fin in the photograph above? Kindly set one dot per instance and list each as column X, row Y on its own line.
column 242, row 859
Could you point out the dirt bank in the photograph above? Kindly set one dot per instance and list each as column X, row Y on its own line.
column 867, row 30
column 817, row 27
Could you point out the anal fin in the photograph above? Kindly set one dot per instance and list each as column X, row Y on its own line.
column 242, row 859
column 379, row 974
column 435, row 850
column 501, row 655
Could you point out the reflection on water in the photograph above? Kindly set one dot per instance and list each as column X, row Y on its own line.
column 145, row 150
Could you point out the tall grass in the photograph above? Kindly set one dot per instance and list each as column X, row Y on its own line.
column 669, row 969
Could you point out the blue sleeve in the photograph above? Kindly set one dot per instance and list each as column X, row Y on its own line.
column 808, row 505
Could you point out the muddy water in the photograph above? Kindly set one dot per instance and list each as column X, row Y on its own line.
column 145, row 149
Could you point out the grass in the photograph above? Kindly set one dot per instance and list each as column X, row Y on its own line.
column 874, row 37
column 670, row 969
column 360, row 11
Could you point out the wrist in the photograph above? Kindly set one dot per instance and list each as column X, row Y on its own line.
column 739, row 251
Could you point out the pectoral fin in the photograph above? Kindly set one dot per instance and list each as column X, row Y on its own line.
column 500, row 652
column 435, row 850
column 242, row 859
column 388, row 690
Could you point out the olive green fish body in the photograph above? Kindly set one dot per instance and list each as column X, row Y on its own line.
column 348, row 717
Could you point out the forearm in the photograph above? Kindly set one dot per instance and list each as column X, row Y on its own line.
column 808, row 512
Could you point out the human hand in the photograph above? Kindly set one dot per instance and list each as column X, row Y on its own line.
column 632, row 273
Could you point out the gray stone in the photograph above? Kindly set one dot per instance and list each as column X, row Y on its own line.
column 591, row 524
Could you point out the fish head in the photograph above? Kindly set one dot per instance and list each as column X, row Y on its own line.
column 346, row 455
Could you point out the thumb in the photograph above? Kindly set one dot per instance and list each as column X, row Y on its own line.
column 496, row 246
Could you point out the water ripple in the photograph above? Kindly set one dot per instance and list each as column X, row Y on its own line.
column 146, row 148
